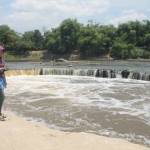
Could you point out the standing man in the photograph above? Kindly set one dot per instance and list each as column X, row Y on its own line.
column 2, row 82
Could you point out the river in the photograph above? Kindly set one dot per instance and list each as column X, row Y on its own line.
column 112, row 107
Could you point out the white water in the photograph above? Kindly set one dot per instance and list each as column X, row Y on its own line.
column 117, row 107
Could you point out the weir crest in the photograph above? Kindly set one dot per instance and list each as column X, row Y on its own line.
column 99, row 73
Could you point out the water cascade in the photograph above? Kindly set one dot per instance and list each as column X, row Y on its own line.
column 100, row 73
column 23, row 72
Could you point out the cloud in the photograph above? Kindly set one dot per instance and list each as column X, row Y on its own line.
column 31, row 14
column 24, row 15
column 74, row 7
column 129, row 15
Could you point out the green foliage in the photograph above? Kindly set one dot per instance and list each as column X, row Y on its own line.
column 120, row 50
column 69, row 34
column 64, row 39
column 7, row 36
column 35, row 39
column 22, row 48
column 52, row 42
column 123, row 50
column 136, row 53
column 147, row 41
column 128, row 40
column 88, row 41
column 146, row 55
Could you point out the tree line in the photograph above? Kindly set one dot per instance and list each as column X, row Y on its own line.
column 127, row 40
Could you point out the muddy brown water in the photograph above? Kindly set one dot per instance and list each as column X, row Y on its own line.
column 112, row 107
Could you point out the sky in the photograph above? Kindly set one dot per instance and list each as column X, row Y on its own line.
column 27, row 15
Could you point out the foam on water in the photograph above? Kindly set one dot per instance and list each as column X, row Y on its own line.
column 74, row 103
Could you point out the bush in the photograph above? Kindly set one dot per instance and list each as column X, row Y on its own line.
column 22, row 48
column 146, row 54
column 136, row 53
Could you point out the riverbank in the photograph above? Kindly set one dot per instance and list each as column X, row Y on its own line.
column 39, row 56
column 17, row 133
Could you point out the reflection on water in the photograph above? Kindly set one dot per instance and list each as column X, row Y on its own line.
column 113, row 107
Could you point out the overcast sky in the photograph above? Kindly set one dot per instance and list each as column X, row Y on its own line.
column 25, row 15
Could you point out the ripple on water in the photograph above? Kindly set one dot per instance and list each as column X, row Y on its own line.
column 113, row 107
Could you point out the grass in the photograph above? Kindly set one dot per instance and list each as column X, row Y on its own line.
column 31, row 57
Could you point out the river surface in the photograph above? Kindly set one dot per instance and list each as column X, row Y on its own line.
column 112, row 107
column 139, row 66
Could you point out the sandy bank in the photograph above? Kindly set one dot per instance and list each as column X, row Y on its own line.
column 18, row 134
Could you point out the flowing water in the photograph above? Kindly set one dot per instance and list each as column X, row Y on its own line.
column 112, row 107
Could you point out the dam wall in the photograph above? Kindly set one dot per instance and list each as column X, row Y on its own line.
column 99, row 73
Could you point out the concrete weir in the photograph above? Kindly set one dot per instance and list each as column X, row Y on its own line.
column 100, row 73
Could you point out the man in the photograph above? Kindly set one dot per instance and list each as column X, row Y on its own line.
column 2, row 82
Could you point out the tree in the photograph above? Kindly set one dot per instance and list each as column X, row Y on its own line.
column 38, row 39
column 53, row 42
column 8, row 36
column 28, row 38
column 88, row 41
column 35, row 38
column 22, row 48
column 64, row 39
column 128, row 40
column 69, row 34
column 147, row 41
